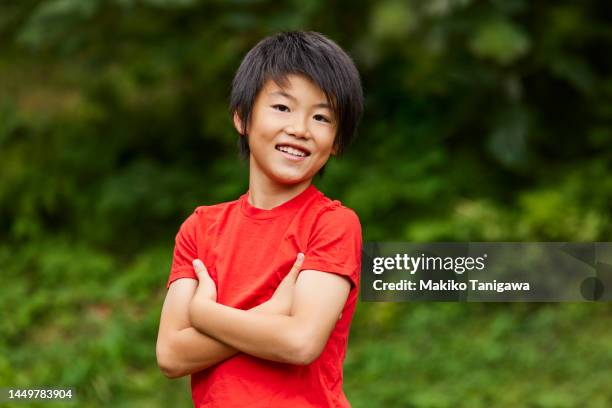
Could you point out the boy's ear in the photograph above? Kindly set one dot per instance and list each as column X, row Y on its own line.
column 238, row 123
column 334, row 150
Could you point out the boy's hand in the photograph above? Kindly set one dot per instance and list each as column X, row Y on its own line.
column 206, row 286
column 283, row 296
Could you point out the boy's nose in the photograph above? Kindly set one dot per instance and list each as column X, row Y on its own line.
column 298, row 129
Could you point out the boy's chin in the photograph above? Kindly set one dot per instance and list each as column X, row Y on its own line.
column 290, row 182
column 291, row 179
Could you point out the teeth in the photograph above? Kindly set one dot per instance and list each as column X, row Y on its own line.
column 292, row 151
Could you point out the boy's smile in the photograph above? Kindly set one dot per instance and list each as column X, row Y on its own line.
column 293, row 152
column 291, row 133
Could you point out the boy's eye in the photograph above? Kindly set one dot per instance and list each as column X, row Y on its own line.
column 281, row 108
column 285, row 108
column 322, row 118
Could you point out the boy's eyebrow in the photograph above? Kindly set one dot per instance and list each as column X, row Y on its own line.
column 286, row 95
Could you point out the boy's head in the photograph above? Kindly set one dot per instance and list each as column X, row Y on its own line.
column 283, row 60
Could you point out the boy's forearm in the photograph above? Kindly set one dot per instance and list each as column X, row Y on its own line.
column 269, row 336
column 193, row 351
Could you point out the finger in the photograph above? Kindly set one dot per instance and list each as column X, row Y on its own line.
column 199, row 267
column 297, row 264
column 299, row 260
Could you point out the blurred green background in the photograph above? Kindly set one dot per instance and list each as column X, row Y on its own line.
column 484, row 121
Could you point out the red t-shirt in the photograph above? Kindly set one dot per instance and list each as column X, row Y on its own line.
column 247, row 252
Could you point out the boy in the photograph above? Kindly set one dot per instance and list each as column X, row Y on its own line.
column 263, row 316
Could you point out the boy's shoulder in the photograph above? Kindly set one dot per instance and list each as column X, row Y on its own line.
column 212, row 211
column 331, row 210
column 205, row 214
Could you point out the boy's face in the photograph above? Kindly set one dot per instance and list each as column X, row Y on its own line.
column 291, row 132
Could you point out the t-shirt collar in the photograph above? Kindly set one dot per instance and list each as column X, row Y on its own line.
column 285, row 208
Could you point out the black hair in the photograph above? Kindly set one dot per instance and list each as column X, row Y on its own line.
column 306, row 53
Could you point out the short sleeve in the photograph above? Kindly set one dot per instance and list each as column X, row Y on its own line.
column 335, row 244
column 185, row 251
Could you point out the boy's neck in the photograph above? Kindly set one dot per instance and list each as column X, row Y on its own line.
column 265, row 194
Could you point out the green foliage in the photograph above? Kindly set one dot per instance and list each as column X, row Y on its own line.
column 484, row 121
column 501, row 41
column 478, row 355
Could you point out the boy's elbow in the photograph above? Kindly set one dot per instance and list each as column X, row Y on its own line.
column 303, row 350
column 166, row 361
column 305, row 357
column 169, row 368
column 169, row 371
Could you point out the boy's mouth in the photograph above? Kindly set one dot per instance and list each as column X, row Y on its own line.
column 292, row 150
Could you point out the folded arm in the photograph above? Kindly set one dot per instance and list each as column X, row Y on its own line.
column 299, row 338
column 181, row 349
